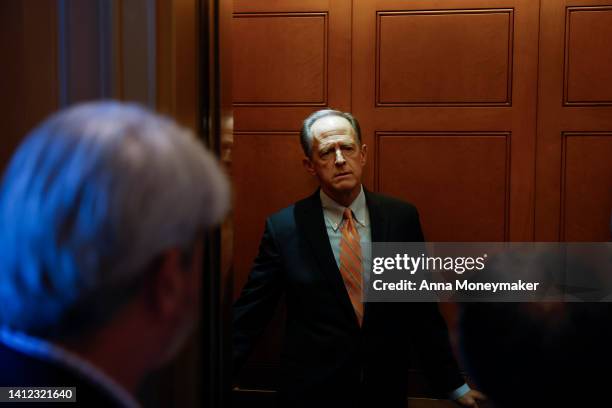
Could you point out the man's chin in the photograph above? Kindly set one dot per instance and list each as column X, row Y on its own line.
column 345, row 186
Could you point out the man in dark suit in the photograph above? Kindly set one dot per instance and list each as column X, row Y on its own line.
column 337, row 350
column 103, row 209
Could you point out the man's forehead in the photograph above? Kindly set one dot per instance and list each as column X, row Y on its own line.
column 333, row 138
column 332, row 127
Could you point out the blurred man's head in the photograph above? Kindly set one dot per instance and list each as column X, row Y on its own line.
column 103, row 210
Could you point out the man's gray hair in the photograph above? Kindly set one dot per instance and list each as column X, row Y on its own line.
column 88, row 203
column 306, row 132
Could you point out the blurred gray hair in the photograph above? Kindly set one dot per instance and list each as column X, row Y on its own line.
column 306, row 131
column 89, row 201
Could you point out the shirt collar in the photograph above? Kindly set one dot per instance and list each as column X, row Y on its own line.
column 334, row 211
column 42, row 349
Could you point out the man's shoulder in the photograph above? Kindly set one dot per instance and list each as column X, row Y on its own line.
column 286, row 217
column 23, row 370
column 288, row 212
column 382, row 201
column 283, row 213
column 390, row 203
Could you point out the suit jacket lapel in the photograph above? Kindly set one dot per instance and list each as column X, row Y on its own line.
column 310, row 220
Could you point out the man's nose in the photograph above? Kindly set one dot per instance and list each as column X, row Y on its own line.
column 339, row 157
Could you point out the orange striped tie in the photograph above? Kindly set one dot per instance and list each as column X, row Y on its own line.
column 351, row 266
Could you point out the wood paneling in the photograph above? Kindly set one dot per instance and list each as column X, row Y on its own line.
column 458, row 57
column 588, row 56
column 274, row 50
column 291, row 59
column 463, row 173
column 459, row 68
column 177, row 60
column 574, row 85
column 135, row 53
column 586, row 197
column 28, row 72
column 84, row 51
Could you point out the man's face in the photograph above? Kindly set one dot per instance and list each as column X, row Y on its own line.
column 337, row 160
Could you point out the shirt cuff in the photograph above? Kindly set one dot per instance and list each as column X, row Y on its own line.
column 460, row 392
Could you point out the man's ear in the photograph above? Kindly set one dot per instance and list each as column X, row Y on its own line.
column 307, row 163
column 168, row 284
column 364, row 154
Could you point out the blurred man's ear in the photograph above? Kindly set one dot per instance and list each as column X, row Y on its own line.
column 307, row 163
column 168, row 284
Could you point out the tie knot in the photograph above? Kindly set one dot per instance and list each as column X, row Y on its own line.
column 348, row 214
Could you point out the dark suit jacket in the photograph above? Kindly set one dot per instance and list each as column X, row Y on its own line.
column 21, row 370
column 327, row 359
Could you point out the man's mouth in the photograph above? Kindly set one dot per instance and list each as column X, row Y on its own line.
column 343, row 174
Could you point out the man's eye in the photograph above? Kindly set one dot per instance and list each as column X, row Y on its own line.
column 325, row 153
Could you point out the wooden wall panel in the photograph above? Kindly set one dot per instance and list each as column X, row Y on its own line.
column 586, row 198
column 135, row 52
column 84, row 51
column 463, row 174
column 588, row 56
column 459, row 68
column 28, row 72
column 292, row 58
column 274, row 50
column 574, row 91
column 446, row 57
column 176, row 54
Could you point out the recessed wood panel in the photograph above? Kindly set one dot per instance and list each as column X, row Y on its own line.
column 587, row 186
column 444, row 57
column 28, row 38
column 574, row 121
column 280, row 59
column 268, row 175
column 588, row 56
column 458, row 181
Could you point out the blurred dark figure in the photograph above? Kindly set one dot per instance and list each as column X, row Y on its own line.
column 555, row 354
column 103, row 210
